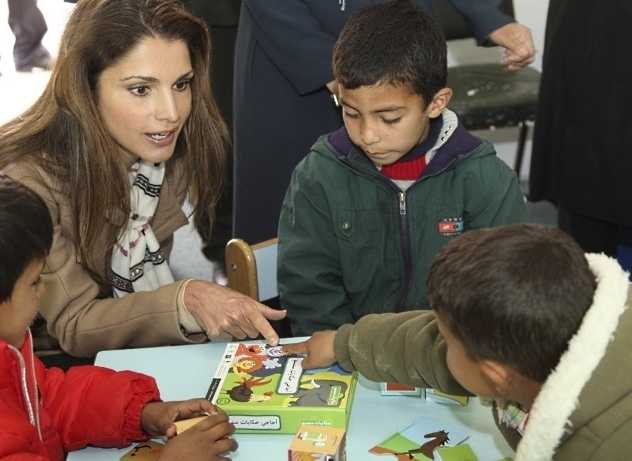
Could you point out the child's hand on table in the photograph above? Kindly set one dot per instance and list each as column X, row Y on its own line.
column 206, row 440
column 319, row 350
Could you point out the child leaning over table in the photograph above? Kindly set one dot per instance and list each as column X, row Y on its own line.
column 372, row 203
column 523, row 317
column 44, row 413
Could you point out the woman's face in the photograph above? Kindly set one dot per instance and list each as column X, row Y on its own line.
column 145, row 99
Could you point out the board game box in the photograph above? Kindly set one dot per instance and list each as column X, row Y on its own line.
column 264, row 390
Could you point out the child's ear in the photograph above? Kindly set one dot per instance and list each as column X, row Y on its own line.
column 439, row 102
column 499, row 376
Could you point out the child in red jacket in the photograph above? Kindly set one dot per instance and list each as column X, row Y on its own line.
column 45, row 413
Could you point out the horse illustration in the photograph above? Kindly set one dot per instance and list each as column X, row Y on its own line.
column 243, row 392
column 439, row 438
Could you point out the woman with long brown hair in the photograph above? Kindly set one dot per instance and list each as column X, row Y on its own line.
column 126, row 129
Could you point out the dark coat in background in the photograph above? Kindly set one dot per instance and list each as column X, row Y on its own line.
column 281, row 106
column 582, row 144
column 221, row 17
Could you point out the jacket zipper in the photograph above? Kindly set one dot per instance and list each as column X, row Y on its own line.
column 404, row 227
column 31, row 407
column 404, row 232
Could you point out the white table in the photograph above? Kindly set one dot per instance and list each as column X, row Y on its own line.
column 185, row 372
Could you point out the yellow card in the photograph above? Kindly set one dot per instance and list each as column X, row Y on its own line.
column 185, row 424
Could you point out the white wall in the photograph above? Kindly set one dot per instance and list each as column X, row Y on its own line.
column 531, row 13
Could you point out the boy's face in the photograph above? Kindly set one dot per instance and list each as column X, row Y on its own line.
column 386, row 121
column 465, row 370
column 17, row 312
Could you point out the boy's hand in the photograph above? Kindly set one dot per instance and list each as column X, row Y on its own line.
column 319, row 350
column 207, row 440
column 157, row 418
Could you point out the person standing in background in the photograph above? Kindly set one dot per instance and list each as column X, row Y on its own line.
column 222, row 17
column 582, row 138
column 281, row 100
column 29, row 27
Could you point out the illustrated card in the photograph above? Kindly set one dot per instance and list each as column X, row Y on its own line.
column 419, row 440
column 400, row 389
column 144, row 451
column 461, row 452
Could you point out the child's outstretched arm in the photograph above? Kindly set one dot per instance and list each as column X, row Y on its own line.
column 406, row 348
column 207, row 440
column 319, row 350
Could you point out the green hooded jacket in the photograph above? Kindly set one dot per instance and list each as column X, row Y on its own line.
column 351, row 242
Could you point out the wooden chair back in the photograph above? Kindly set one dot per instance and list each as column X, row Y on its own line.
column 251, row 269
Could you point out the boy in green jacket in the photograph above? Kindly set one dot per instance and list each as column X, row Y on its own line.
column 371, row 205
column 523, row 317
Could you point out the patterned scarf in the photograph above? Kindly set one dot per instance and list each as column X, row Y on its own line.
column 138, row 263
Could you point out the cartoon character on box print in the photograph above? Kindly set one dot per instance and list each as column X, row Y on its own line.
column 258, row 360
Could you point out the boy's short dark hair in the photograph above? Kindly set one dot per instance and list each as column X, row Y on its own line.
column 396, row 43
column 26, row 232
column 515, row 294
